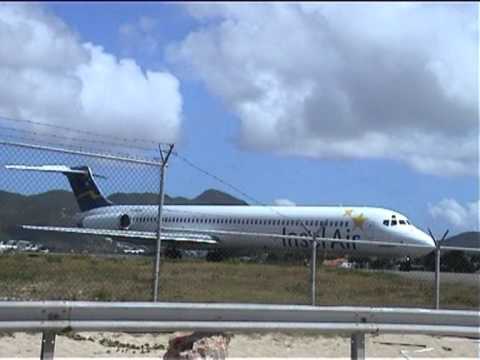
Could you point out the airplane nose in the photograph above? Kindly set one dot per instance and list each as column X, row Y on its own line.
column 424, row 239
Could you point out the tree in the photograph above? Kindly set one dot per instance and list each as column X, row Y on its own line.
column 457, row 261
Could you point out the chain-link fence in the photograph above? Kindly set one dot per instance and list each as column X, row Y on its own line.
column 43, row 188
column 53, row 193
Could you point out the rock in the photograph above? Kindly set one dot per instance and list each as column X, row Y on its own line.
column 196, row 346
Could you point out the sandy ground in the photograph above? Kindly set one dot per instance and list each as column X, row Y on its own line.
column 272, row 345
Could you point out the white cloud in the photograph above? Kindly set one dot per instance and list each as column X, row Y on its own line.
column 464, row 217
column 283, row 202
column 391, row 81
column 48, row 75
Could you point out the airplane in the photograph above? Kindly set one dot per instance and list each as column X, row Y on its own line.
column 337, row 230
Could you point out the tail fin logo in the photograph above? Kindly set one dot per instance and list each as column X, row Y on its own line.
column 89, row 193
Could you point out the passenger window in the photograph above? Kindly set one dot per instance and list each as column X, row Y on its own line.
column 385, row 222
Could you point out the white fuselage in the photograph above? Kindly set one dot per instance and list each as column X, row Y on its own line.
column 346, row 223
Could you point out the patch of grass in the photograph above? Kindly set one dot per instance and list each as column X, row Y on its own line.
column 83, row 277
column 53, row 259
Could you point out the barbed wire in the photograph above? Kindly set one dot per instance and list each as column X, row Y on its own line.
column 69, row 147
column 85, row 132
column 72, row 139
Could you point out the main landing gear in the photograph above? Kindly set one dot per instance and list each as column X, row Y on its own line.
column 173, row 253
column 215, row 256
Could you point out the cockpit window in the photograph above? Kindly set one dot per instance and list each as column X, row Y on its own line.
column 385, row 222
column 394, row 222
column 402, row 222
column 408, row 222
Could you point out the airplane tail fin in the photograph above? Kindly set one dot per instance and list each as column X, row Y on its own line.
column 81, row 179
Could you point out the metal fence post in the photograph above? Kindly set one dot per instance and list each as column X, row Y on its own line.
column 48, row 345
column 437, row 276
column 357, row 346
column 163, row 167
column 313, row 269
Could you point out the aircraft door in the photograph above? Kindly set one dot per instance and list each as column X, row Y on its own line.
column 370, row 230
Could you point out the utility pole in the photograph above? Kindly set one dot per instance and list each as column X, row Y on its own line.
column 163, row 167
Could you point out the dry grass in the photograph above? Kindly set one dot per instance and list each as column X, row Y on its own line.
column 56, row 277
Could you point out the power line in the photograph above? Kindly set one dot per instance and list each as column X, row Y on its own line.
column 233, row 187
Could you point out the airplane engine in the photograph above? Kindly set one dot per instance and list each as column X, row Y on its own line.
column 108, row 221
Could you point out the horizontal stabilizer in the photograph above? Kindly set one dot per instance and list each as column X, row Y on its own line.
column 82, row 182
column 183, row 237
column 48, row 168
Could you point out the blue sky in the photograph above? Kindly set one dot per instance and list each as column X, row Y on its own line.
column 218, row 131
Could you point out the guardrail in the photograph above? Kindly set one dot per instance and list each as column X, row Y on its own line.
column 51, row 317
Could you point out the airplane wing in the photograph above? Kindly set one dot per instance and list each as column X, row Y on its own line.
column 176, row 236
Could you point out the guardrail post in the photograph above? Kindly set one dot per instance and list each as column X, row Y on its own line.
column 437, row 277
column 357, row 346
column 48, row 345
column 313, row 270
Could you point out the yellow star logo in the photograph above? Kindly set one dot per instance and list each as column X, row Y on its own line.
column 89, row 193
column 358, row 221
column 348, row 212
